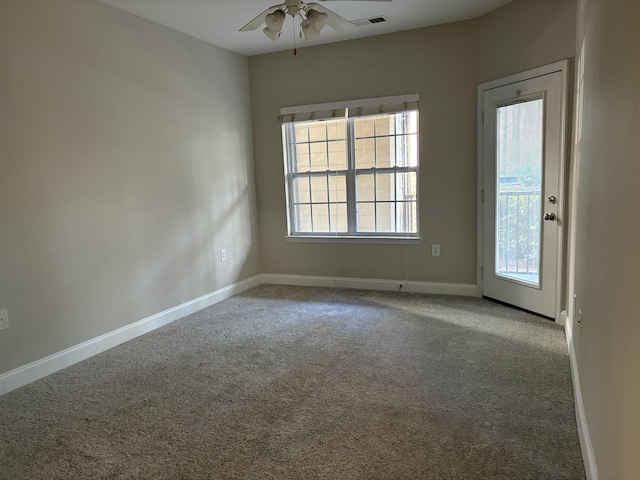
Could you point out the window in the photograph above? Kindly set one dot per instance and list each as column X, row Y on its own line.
column 353, row 172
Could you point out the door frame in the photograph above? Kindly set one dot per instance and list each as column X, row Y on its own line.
column 562, row 67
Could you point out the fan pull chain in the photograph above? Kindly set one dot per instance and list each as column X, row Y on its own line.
column 295, row 50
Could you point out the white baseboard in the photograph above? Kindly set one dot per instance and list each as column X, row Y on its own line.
column 463, row 289
column 562, row 319
column 586, row 445
column 46, row 366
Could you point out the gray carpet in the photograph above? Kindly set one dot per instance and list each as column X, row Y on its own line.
column 308, row 383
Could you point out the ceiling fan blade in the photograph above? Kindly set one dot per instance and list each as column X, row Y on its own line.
column 259, row 20
column 334, row 20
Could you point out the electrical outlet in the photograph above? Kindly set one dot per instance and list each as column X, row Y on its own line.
column 223, row 255
column 435, row 250
column 4, row 319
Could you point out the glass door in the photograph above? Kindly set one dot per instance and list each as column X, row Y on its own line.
column 522, row 150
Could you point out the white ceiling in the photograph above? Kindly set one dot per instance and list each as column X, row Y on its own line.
column 218, row 21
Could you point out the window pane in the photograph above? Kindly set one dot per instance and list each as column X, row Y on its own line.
column 336, row 129
column 364, row 127
column 338, row 155
column 301, row 131
column 318, row 157
column 406, row 217
column 320, row 218
column 411, row 122
column 301, row 163
column 520, row 139
column 407, row 150
column 365, row 153
column 338, row 217
column 385, row 152
column 386, row 217
column 317, row 131
column 406, row 186
column 319, row 193
column 365, row 187
column 337, row 188
column 303, row 218
column 301, row 190
column 384, row 186
column 365, row 217
column 384, row 125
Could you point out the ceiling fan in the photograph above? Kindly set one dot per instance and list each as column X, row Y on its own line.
column 313, row 18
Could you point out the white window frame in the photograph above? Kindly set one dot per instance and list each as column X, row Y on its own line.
column 350, row 110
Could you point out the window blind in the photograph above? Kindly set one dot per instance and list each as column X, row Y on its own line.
column 350, row 108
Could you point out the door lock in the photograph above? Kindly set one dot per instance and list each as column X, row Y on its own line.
column 549, row 216
column 552, row 200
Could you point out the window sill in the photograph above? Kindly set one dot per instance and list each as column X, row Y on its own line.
column 353, row 239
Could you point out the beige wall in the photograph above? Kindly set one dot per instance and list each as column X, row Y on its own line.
column 607, row 229
column 431, row 62
column 125, row 165
column 525, row 34
column 443, row 65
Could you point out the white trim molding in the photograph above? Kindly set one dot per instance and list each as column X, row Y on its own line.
column 363, row 102
column 462, row 289
column 46, row 366
column 588, row 457
column 353, row 239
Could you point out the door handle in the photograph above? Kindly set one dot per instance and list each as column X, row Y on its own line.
column 549, row 216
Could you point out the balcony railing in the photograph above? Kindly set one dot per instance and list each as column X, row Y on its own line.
column 518, row 234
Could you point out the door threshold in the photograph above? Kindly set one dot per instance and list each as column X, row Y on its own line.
column 519, row 308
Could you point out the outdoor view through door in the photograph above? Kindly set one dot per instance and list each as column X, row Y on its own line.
column 519, row 190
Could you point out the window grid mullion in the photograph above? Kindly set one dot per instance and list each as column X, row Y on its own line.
column 308, row 173
column 328, row 199
column 375, row 178
column 352, row 208
column 328, row 167
column 375, row 200
column 395, row 200
column 310, row 199
column 290, row 159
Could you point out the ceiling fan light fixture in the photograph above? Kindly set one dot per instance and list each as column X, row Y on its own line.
column 275, row 20
column 309, row 30
column 317, row 19
column 313, row 18
column 271, row 34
